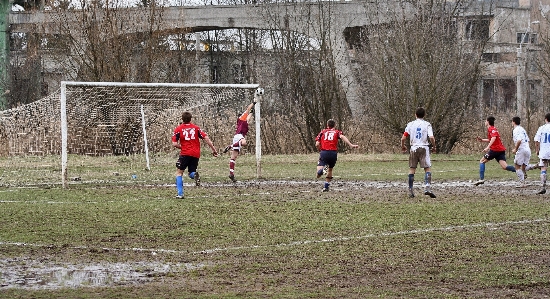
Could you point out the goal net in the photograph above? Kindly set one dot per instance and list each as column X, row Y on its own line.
column 88, row 119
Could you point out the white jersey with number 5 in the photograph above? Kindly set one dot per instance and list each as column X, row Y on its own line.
column 520, row 134
column 543, row 137
column 419, row 130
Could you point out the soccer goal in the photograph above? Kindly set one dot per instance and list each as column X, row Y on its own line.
column 111, row 118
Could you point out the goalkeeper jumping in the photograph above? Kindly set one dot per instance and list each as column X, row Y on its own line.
column 239, row 139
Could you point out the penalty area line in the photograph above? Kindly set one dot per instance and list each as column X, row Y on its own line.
column 488, row 225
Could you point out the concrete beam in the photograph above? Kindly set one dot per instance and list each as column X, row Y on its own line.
column 299, row 17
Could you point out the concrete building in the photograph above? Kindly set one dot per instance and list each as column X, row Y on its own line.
column 511, row 79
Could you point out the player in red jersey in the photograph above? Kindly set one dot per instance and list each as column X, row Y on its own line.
column 494, row 150
column 239, row 139
column 327, row 142
column 187, row 137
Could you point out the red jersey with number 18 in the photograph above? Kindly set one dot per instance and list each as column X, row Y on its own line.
column 329, row 139
column 497, row 146
column 188, row 136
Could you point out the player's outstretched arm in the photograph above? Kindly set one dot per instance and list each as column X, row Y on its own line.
column 211, row 145
column 482, row 139
column 247, row 112
column 249, row 107
column 346, row 140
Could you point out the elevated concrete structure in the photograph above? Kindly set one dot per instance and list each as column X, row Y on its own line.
column 200, row 18
column 507, row 20
column 323, row 18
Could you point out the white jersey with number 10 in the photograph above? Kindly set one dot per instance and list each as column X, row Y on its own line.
column 543, row 137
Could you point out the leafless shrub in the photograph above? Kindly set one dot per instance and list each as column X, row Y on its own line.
column 420, row 60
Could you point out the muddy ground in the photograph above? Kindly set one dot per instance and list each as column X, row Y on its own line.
column 445, row 261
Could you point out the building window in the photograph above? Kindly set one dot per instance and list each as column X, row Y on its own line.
column 239, row 72
column 499, row 94
column 477, row 29
column 356, row 37
column 214, row 74
column 534, row 94
column 526, row 38
column 491, row 57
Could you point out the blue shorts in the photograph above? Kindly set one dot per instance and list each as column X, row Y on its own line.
column 327, row 158
column 490, row 155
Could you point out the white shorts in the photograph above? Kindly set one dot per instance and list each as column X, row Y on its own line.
column 544, row 162
column 522, row 157
column 236, row 139
column 420, row 155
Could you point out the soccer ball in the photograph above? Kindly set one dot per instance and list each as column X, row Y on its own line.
column 259, row 91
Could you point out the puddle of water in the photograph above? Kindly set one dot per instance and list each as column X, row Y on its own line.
column 29, row 274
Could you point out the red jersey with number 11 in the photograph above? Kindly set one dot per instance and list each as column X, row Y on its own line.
column 497, row 146
column 329, row 139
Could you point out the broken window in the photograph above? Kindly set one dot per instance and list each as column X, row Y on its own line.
column 491, row 57
column 526, row 38
column 477, row 29
column 356, row 37
column 499, row 94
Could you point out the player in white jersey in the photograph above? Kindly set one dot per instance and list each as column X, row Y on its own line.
column 420, row 133
column 522, row 150
column 542, row 146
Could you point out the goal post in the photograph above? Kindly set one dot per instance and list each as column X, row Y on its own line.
column 98, row 118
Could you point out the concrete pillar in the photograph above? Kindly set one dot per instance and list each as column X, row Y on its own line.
column 5, row 7
column 345, row 74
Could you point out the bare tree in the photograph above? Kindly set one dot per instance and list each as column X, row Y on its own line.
column 25, row 72
column 306, row 86
column 420, row 59
column 542, row 63
column 103, row 43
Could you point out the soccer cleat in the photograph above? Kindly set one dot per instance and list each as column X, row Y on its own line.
column 480, row 182
column 232, row 178
column 325, row 170
column 226, row 149
column 179, row 196
column 325, row 189
column 543, row 191
column 197, row 179
column 411, row 195
column 429, row 193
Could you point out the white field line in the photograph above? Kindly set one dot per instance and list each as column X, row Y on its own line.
column 488, row 225
column 512, row 182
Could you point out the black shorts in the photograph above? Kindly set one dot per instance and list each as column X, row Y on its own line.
column 327, row 158
column 188, row 162
column 490, row 155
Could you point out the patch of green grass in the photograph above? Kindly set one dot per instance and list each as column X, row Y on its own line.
column 118, row 170
column 279, row 237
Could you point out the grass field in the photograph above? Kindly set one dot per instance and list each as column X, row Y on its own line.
column 113, row 236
